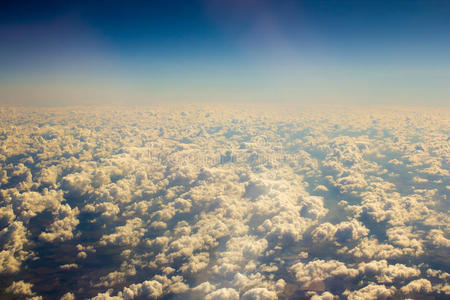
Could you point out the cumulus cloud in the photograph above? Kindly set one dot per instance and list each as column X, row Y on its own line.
column 371, row 292
column 204, row 288
column 386, row 273
column 437, row 238
column 20, row 288
column 147, row 289
column 259, row 294
column 313, row 274
column 224, row 203
column 77, row 184
column 223, row 294
column 419, row 286
column 323, row 296
column 68, row 296
column 128, row 234
column 13, row 239
column 340, row 233
column 62, row 229
column 6, row 216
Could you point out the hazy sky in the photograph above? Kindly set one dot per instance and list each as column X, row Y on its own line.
column 139, row 52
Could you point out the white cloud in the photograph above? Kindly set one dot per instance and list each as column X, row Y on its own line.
column 335, row 200
column 371, row 292
column 223, row 294
column 128, row 234
column 204, row 288
column 62, row 229
column 147, row 289
column 13, row 240
column 259, row 294
column 420, row 286
column 313, row 273
column 68, row 296
column 20, row 288
column 386, row 273
column 324, row 296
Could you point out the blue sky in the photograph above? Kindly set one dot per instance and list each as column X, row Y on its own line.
column 141, row 52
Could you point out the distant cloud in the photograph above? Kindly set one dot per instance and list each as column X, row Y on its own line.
column 327, row 204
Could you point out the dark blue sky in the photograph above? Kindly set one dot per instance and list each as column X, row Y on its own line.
column 333, row 51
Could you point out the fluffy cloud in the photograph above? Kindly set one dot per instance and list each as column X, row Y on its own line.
column 20, row 288
column 77, row 184
column 147, row 289
column 204, row 288
column 340, row 233
column 62, row 229
column 128, row 234
column 312, row 274
column 386, row 273
column 223, row 294
column 371, row 292
column 6, row 216
column 224, row 203
column 13, row 239
column 68, row 296
column 438, row 238
column 259, row 294
column 419, row 286
column 324, row 296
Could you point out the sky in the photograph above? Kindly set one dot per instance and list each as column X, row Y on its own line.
column 144, row 52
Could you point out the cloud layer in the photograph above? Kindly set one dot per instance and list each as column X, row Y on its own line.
column 224, row 203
